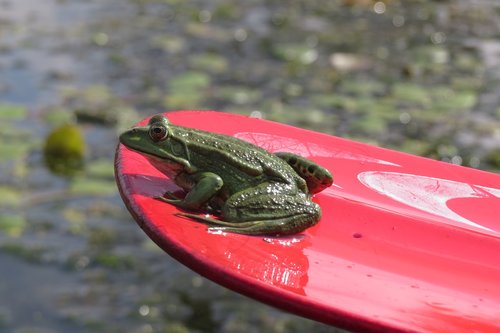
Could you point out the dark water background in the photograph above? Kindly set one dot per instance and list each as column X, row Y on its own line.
column 419, row 76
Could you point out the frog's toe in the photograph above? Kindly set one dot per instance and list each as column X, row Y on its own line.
column 171, row 195
column 167, row 197
column 317, row 177
column 215, row 222
column 167, row 200
column 256, row 228
column 198, row 218
column 236, row 230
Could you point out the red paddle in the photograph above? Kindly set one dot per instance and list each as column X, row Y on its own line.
column 405, row 243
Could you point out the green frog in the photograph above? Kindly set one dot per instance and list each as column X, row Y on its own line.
column 250, row 190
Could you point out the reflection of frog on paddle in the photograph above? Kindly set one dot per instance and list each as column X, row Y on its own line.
column 255, row 192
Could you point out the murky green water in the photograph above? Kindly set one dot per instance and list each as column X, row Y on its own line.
column 423, row 77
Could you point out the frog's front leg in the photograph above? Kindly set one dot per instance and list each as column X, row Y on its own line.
column 201, row 188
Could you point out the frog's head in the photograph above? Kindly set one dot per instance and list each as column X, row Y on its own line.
column 150, row 139
column 155, row 142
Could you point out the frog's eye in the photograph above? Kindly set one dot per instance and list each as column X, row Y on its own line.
column 158, row 132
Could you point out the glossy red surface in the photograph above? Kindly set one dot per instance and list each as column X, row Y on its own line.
column 405, row 243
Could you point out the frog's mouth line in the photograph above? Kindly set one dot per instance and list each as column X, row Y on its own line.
column 148, row 155
column 152, row 156
column 165, row 165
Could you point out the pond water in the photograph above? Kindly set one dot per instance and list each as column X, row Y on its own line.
column 421, row 77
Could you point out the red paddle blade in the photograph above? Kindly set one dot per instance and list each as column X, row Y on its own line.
column 405, row 243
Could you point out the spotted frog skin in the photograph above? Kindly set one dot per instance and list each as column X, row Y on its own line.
column 249, row 189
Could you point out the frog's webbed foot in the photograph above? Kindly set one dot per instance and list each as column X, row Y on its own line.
column 212, row 221
column 317, row 177
column 280, row 226
column 218, row 225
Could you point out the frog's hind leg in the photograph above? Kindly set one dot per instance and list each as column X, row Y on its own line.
column 317, row 177
column 270, row 210
column 281, row 215
column 281, row 226
column 274, row 227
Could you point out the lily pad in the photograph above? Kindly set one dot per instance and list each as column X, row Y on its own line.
column 114, row 261
column 12, row 225
column 57, row 116
column 76, row 220
column 183, row 100
column 97, row 104
column 189, row 81
column 169, row 43
column 102, row 238
column 362, row 87
column 209, row 32
column 12, row 112
column 13, row 151
column 454, row 100
column 301, row 53
column 103, row 168
column 10, row 197
column 31, row 254
column 92, row 187
column 411, row 93
column 209, row 62
column 186, row 90
column 370, row 124
column 238, row 94
column 335, row 101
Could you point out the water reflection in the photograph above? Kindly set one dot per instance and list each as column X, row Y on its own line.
column 283, row 264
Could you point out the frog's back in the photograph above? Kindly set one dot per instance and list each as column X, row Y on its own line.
column 249, row 158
